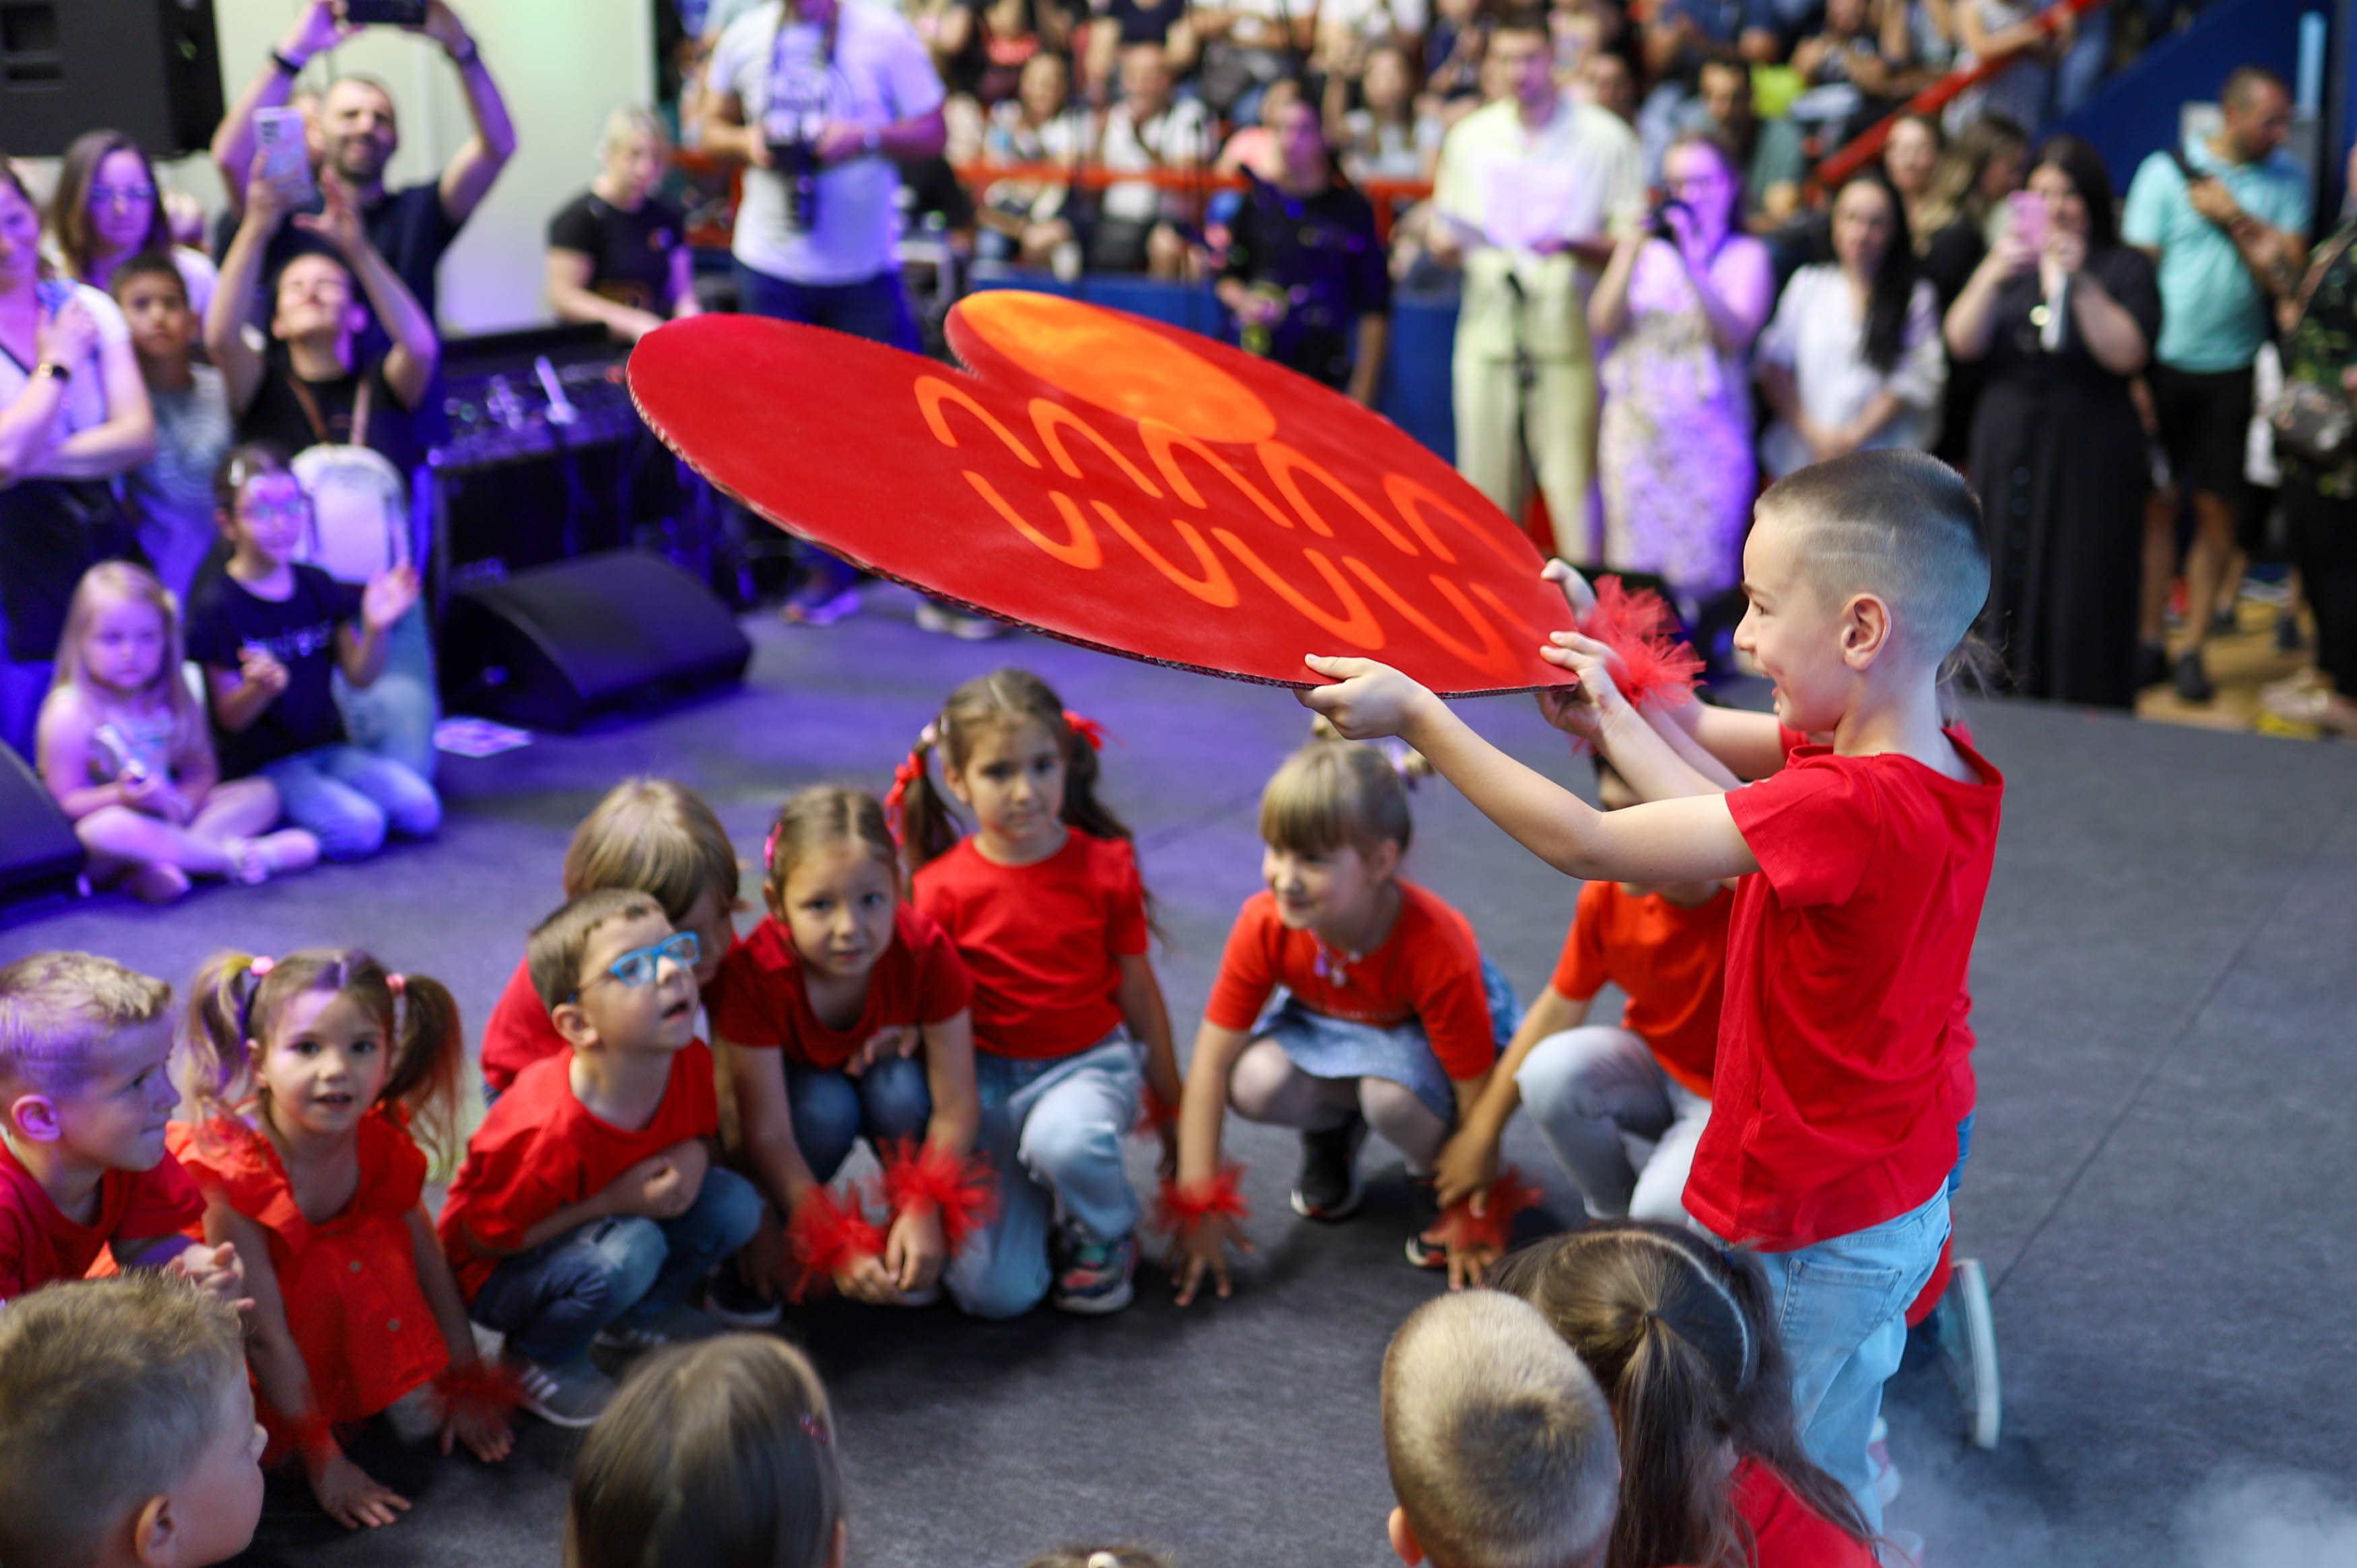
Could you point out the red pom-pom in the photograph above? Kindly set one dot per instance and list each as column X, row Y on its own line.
column 963, row 1192
column 1154, row 1112
column 1653, row 666
column 1461, row 1229
column 478, row 1389
column 1182, row 1208
column 828, row 1235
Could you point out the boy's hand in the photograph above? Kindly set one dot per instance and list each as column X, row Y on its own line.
column 662, row 1186
column 1201, row 1250
column 260, row 667
column 387, row 598
column 1468, row 1164
column 1368, row 700
column 216, row 1271
column 915, row 1252
column 353, row 1497
column 1469, row 1266
column 1580, row 710
column 1576, row 591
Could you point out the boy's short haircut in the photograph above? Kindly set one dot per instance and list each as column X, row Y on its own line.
column 1500, row 1445
column 1900, row 524
column 1333, row 794
column 55, row 1007
column 656, row 837
column 553, row 955
column 110, row 1392
column 148, row 265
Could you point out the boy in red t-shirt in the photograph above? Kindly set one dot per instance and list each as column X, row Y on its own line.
column 1592, row 1087
column 1864, row 861
column 588, row 1208
column 84, row 1096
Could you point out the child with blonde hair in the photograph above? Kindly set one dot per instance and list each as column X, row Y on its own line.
column 1044, row 902
column 123, row 745
column 321, row 1080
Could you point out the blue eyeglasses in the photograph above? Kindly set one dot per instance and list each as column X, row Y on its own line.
column 638, row 966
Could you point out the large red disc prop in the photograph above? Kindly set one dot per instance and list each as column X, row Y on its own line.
column 1115, row 482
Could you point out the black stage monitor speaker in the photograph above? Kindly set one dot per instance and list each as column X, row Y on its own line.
column 559, row 647
column 39, row 855
column 148, row 68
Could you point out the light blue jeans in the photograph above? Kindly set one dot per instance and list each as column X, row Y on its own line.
column 1841, row 1307
column 831, row 1110
column 1053, row 1131
column 394, row 716
column 351, row 798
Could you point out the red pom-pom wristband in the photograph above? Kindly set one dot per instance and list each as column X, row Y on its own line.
column 1154, row 1112
column 478, row 1389
column 314, row 1438
column 1657, row 668
column 1461, row 1229
column 922, row 1179
column 1179, row 1208
column 828, row 1235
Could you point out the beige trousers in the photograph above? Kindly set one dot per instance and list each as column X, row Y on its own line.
column 1560, row 414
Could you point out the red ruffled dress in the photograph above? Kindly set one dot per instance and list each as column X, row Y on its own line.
column 359, row 1315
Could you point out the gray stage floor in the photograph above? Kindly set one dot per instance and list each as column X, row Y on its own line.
column 2160, row 1185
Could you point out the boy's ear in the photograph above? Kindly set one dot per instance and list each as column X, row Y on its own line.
column 1403, row 1540
column 35, row 1117
column 574, row 1024
column 1867, row 629
column 155, row 1534
column 1385, row 861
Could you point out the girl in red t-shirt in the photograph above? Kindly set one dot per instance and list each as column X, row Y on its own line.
column 1681, row 1337
column 1392, row 1017
column 824, row 1010
column 315, row 1076
column 1044, row 903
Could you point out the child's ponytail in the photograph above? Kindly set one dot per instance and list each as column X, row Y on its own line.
column 1083, row 738
column 428, row 1081
column 214, row 1030
column 1675, row 1485
column 917, row 810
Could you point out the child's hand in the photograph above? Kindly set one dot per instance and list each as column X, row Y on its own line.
column 1202, row 1248
column 388, row 598
column 485, row 1431
column 660, row 1186
column 339, row 222
column 1469, row 1266
column 216, row 1271
column 915, row 1252
column 260, row 667
column 145, row 792
column 353, row 1497
column 893, row 1040
column 266, row 204
column 1577, row 593
column 867, row 1280
column 1368, row 701
column 1468, row 1164
column 1580, row 710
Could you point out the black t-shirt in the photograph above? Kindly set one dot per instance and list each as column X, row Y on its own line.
column 277, row 416
column 1146, row 21
column 1322, row 250
column 409, row 230
column 299, row 631
column 629, row 253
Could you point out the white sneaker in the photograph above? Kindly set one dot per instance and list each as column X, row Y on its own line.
column 937, row 618
column 1967, row 1334
column 1878, row 1456
column 571, row 1395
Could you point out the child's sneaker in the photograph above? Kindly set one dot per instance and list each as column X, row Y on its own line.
column 1423, row 1214
column 730, row 1300
column 1967, row 1334
column 571, row 1395
column 1094, row 1276
column 674, row 1325
column 1329, row 1188
column 1878, row 1459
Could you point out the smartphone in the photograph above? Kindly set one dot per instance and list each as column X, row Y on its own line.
column 385, row 13
column 285, row 156
column 2025, row 217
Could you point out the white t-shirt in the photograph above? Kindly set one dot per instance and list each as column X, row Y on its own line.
column 1817, row 335
column 1181, row 134
column 1373, row 19
column 878, row 74
column 85, row 407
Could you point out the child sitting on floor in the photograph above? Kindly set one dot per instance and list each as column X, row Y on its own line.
column 127, row 1427
column 1392, row 1016
column 1678, row 1331
column 722, row 1452
column 1591, row 1086
column 826, row 1000
column 1834, row 1128
column 1500, row 1447
column 84, row 1098
column 317, row 1076
column 588, row 1208
column 125, row 749
column 1044, row 906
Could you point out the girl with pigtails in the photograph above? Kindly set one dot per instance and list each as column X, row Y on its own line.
column 322, row 1080
column 1044, row 902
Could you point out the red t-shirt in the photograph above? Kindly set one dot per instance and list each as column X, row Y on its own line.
column 541, row 1150
column 1672, row 961
column 1846, row 957
column 1428, row 969
column 920, row 979
column 1043, row 941
column 520, row 1032
column 354, row 1304
column 1791, row 1534
column 39, row 1243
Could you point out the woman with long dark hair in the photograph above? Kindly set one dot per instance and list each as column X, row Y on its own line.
column 108, row 208
column 2062, row 317
column 1852, row 361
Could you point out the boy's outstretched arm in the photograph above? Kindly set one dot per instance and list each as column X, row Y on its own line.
column 1689, row 839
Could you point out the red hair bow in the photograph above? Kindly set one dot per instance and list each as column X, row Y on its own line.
column 1655, row 667
column 1087, row 729
column 911, row 768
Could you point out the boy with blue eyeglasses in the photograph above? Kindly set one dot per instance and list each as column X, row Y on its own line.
column 588, row 1208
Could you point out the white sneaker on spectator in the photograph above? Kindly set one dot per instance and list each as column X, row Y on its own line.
column 931, row 617
column 1967, row 1333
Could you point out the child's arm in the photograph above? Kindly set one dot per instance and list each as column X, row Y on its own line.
column 1139, row 997
column 1469, row 1265
column 240, row 696
column 485, row 1434
column 216, row 1270
column 1202, row 1112
column 360, row 644
column 916, row 1249
column 62, row 746
column 1469, row 1161
column 1692, row 838
column 409, row 368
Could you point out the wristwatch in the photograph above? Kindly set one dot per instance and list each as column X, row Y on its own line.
column 287, row 64
column 465, row 57
column 54, row 370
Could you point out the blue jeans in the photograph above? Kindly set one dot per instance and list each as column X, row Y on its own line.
column 394, row 715
column 1053, row 1131
column 832, row 1110
column 351, row 798
column 1841, row 1307
column 552, row 1301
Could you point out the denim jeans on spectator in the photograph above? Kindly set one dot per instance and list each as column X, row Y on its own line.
column 1053, row 1131
column 352, row 799
column 394, row 715
column 552, row 1302
column 832, row 1110
column 875, row 309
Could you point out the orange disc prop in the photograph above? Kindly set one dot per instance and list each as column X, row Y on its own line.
column 1116, row 483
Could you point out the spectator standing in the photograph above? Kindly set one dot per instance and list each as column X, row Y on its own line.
column 1140, row 225
column 1911, row 156
column 1965, row 202
column 1679, row 306
column 171, row 494
column 1775, row 160
column 107, row 209
column 2225, row 218
column 617, row 253
column 1530, row 188
column 1115, row 25
column 821, row 98
column 1387, row 138
column 2064, row 326
column 982, row 46
column 2022, row 91
column 1852, row 361
column 1026, row 220
column 1606, row 81
column 1247, row 44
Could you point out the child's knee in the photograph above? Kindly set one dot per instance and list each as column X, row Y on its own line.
column 1548, row 1079
column 630, row 1252
column 412, row 808
column 1061, row 1149
column 896, row 1101
column 730, row 1209
column 991, row 1285
column 353, row 828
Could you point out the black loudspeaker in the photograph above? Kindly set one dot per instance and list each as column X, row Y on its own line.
column 39, row 855
column 148, row 68
column 559, row 647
